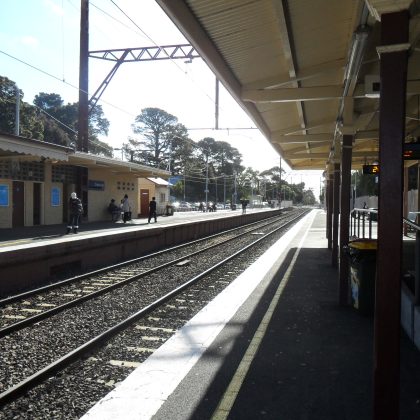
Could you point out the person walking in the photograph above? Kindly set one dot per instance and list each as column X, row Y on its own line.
column 126, row 208
column 152, row 209
column 75, row 209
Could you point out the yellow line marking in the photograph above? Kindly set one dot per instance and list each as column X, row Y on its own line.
column 226, row 403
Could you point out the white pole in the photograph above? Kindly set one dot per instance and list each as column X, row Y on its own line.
column 17, row 111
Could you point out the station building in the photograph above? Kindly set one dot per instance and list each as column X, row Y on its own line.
column 37, row 178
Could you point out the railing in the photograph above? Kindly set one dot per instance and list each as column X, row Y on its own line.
column 363, row 224
column 362, row 220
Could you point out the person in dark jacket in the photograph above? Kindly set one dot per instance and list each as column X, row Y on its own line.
column 152, row 209
column 75, row 211
column 114, row 210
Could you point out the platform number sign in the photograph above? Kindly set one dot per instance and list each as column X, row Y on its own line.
column 370, row 169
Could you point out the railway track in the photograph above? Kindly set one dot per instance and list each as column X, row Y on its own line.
column 136, row 317
column 24, row 309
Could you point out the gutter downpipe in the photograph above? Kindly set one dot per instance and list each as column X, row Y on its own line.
column 357, row 52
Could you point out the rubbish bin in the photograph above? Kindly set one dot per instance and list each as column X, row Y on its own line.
column 233, row 206
column 169, row 211
column 362, row 255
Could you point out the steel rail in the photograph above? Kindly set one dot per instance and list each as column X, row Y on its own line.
column 72, row 303
column 38, row 377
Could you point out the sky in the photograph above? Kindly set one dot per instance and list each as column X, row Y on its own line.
column 39, row 50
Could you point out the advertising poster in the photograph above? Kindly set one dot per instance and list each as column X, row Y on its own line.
column 4, row 195
column 55, row 196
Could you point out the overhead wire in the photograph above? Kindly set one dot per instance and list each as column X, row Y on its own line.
column 157, row 45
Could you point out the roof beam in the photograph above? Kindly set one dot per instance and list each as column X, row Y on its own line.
column 315, row 93
column 330, row 122
column 293, row 94
column 304, row 74
column 367, row 135
column 284, row 27
column 303, row 138
column 325, row 155
column 308, row 147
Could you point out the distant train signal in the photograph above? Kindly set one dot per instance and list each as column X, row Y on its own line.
column 411, row 151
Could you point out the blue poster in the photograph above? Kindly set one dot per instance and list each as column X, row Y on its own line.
column 4, row 195
column 55, row 196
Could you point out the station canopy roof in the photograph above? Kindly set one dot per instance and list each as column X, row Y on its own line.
column 16, row 147
column 118, row 167
column 304, row 70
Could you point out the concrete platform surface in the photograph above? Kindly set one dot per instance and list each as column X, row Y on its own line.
column 274, row 345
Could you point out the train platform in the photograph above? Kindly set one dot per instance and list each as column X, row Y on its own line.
column 274, row 345
column 18, row 236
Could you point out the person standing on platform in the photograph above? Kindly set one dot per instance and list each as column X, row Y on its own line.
column 152, row 209
column 76, row 210
column 244, row 203
column 126, row 208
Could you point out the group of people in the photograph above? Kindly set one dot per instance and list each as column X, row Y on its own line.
column 124, row 208
column 76, row 210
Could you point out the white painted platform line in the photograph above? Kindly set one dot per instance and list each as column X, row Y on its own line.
column 144, row 391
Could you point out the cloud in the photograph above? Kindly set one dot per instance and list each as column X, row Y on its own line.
column 29, row 40
column 55, row 8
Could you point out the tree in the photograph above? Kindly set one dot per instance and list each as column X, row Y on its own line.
column 61, row 123
column 160, row 133
column 30, row 126
column 308, row 198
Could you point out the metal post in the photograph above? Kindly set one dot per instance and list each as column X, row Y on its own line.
column 184, row 183
column 224, row 189
column 346, row 156
column 216, row 104
column 336, row 214
column 393, row 76
column 329, row 209
column 207, row 177
column 235, row 193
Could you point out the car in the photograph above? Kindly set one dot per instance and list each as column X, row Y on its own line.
column 220, row 206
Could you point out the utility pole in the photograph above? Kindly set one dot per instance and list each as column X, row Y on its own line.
column 17, row 110
column 82, row 133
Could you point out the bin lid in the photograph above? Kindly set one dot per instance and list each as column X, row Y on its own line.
column 370, row 244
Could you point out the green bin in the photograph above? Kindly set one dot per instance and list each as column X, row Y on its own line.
column 362, row 255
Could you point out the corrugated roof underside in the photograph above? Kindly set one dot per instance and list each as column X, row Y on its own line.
column 246, row 33
column 321, row 29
